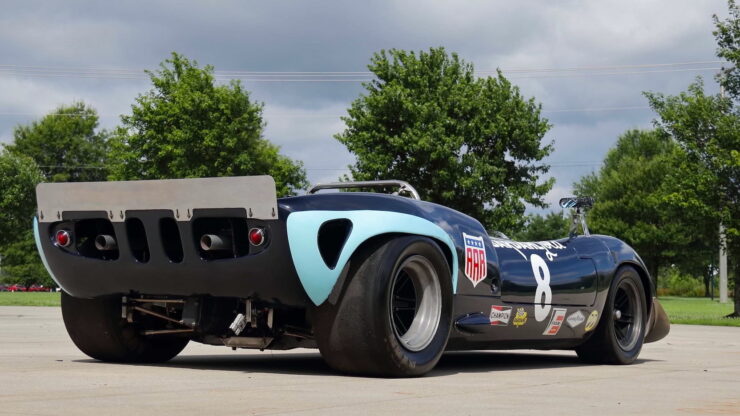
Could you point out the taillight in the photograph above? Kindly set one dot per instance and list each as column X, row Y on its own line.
column 62, row 238
column 256, row 236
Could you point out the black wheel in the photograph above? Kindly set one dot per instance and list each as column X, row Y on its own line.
column 97, row 329
column 620, row 333
column 394, row 314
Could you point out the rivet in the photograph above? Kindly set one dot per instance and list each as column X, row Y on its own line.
column 273, row 211
column 110, row 214
column 59, row 215
column 41, row 214
column 177, row 213
column 250, row 212
column 121, row 214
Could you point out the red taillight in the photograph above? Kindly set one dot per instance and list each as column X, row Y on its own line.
column 256, row 236
column 63, row 238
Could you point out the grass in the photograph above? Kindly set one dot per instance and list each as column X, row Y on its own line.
column 691, row 311
column 698, row 311
column 30, row 298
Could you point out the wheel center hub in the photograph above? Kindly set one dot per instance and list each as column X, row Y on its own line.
column 617, row 314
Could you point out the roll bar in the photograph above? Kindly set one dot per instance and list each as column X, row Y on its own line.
column 402, row 186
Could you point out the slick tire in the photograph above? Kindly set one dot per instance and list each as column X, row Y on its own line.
column 394, row 313
column 620, row 333
column 97, row 329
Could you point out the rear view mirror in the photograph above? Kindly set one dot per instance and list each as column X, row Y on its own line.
column 577, row 202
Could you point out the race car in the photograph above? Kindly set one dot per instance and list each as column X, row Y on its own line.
column 382, row 284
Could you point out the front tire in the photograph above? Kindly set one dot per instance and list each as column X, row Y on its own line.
column 619, row 336
column 97, row 329
column 394, row 314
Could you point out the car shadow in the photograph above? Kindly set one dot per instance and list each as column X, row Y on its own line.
column 312, row 363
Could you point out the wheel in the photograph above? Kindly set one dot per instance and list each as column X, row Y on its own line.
column 620, row 333
column 394, row 313
column 97, row 329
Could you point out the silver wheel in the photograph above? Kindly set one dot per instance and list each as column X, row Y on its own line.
column 415, row 303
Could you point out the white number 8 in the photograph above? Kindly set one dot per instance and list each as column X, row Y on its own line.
column 543, row 294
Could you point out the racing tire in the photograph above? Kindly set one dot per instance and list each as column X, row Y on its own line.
column 620, row 333
column 97, row 329
column 394, row 313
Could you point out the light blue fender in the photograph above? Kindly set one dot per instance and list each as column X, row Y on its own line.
column 37, row 237
column 317, row 279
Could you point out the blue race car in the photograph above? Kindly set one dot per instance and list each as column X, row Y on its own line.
column 381, row 284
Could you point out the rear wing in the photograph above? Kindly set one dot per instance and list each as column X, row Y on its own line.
column 256, row 195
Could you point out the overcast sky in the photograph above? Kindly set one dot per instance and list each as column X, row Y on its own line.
column 53, row 53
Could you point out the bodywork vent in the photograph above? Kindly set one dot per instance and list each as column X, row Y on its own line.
column 332, row 236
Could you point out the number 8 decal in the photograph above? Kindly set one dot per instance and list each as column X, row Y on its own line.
column 543, row 294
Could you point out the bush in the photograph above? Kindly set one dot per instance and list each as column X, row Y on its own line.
column 674, row 283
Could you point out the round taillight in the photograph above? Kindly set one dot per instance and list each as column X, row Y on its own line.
column 63, row 238
column 256, row 236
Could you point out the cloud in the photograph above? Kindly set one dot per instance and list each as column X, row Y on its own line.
column 333, row 35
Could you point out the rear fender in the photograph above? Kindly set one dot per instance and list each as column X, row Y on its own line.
column 318, row 278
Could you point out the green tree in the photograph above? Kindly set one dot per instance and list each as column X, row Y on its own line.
column 727, row 34
column 65, row 144
column 549, row 227
column 707, row 128
column 474, row 144
column 20, row 262
column 629, row 197
column 187, row 126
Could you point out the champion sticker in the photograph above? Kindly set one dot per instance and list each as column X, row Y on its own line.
column 500, row 315
column 520, row 318
column 593, row 319
column 556, row 321
column 475, row 259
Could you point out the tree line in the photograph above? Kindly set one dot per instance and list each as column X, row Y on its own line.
column 474, row 144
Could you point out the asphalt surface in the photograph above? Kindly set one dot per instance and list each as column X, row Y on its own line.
column 695, row 370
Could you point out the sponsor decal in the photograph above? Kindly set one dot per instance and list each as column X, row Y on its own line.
column 543, row 293
column 556, row 321
column 475, row 259
column 500, row 315
column 524, row 245
column 575, row 319
column 520, row 318
column 593, row 319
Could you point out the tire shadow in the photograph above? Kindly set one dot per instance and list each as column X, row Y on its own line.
column 312, row 364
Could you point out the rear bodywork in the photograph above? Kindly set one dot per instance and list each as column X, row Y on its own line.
column 500, row 300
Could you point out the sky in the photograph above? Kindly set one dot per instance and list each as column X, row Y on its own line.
column 586, row 62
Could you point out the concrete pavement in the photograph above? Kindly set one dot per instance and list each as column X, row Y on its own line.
column 695, row 370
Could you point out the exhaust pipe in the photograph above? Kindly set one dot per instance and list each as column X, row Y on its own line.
column 213, row 242
column 105, row 242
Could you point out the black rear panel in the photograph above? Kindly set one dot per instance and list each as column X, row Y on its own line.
column 157, row 254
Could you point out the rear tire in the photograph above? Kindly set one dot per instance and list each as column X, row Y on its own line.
column 394, row 314
column 97, row 329
column 619, row 336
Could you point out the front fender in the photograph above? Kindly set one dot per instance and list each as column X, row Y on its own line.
column 317, row 278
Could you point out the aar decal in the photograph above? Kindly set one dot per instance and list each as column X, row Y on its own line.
column 575, row 319
column 558, row 316
column 500, row 315
column 475, row 259
column 593, row 319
